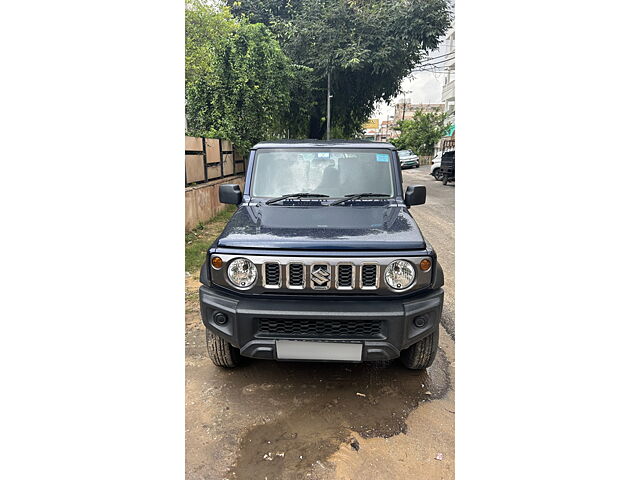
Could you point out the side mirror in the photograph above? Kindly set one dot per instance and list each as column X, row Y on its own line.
column 415, row 195
column 230, row 194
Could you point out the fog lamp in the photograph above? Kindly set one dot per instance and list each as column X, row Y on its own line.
column 220, row 318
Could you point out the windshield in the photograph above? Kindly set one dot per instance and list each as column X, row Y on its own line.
column 332, row 172
column 404, row 153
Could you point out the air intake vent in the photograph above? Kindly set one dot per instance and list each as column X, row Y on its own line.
column 369, row 275
column 272, row 274
column 296, row 275
column 345, row 276
column 279, row 327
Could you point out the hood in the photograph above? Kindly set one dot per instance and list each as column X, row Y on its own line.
column 342, row 227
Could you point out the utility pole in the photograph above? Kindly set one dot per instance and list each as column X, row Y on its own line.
column 404, row 103
column 329, row 103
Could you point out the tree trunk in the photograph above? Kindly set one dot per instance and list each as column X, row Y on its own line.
column 317, row 125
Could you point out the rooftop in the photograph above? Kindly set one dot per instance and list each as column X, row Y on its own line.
column 310, row 143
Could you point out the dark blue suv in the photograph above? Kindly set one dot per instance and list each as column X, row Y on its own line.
column 322, row 261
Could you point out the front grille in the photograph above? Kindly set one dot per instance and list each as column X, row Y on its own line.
column 345, row 276
column 296, row 275
column 280, row 327
column 272, row 274
column 369, row 275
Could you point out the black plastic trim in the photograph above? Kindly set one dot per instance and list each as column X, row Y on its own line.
column 396, row 314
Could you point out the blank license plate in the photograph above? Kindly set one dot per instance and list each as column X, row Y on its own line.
column 300, row 350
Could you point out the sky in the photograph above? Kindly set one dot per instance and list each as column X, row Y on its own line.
column 419, row 87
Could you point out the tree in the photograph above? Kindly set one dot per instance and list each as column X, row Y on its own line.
column 422, row 132
column 370, row 46
column 239, row 83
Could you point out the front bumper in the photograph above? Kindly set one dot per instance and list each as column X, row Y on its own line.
column 383, row 327
column 410, row 163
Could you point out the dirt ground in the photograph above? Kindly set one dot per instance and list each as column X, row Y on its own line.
column 271, row 420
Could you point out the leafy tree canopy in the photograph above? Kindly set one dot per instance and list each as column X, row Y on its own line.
column 239, row 83
column 422, row 132
column 369, row 45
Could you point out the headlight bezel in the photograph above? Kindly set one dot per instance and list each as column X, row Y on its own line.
column 407, row 264
column 235, row 285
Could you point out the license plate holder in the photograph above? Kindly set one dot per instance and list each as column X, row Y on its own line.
column 310, row 350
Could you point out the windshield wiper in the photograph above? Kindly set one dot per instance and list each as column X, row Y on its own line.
column 355, row 196
column 295, row 195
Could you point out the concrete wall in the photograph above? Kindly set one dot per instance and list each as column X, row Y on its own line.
column 201, row 202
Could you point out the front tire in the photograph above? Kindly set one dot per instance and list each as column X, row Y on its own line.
column 221, row 352
column 436, row 174
column 421, row 355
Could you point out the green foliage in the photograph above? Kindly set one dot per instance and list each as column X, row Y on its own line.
column 198, row 240
column 369, row 45
column 239, row 83
column 422, row 132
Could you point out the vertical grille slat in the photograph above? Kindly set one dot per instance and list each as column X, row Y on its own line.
column 296, row 275
column 369, row 275
column 345, row 276
column 272, row 274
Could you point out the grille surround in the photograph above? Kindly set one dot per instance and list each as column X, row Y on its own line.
column 295, row 273
column 345, row 276
column 299, row 277
column 319, row 328
column 369, row 276
column 271, row 271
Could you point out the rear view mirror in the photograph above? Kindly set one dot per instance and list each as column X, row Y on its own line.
column 230, row 194
column 415, row 195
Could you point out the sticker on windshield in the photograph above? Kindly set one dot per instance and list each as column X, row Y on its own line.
column 382, row 157
column 323, row 155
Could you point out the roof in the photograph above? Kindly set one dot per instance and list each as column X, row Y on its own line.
column 310, row 143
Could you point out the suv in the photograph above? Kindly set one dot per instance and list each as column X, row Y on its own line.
column 322, row 261
column 408, row 159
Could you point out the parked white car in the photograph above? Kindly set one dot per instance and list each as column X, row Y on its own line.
column 408, row 159
column 435, row 167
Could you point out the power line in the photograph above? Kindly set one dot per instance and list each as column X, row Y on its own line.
column 441, row 67
column 440, row 56
column 436, row 63
column 432, row 71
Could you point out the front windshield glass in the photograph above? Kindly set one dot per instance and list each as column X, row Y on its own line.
column 332, row 172
column 404, row 153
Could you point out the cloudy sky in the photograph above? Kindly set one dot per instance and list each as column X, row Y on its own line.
column 419, row 87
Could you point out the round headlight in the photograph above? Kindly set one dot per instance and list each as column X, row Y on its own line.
column 399, row 274
column 242, row 272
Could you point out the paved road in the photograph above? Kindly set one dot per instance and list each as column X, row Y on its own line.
column 436, row 219
column 270, row 420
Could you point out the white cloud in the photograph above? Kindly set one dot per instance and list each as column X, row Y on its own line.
column 420, row 87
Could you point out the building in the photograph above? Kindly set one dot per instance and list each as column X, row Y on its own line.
column 388, row 131
column 405, row 110
column 379, row 131
column 449, row 92
column 449, row 66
